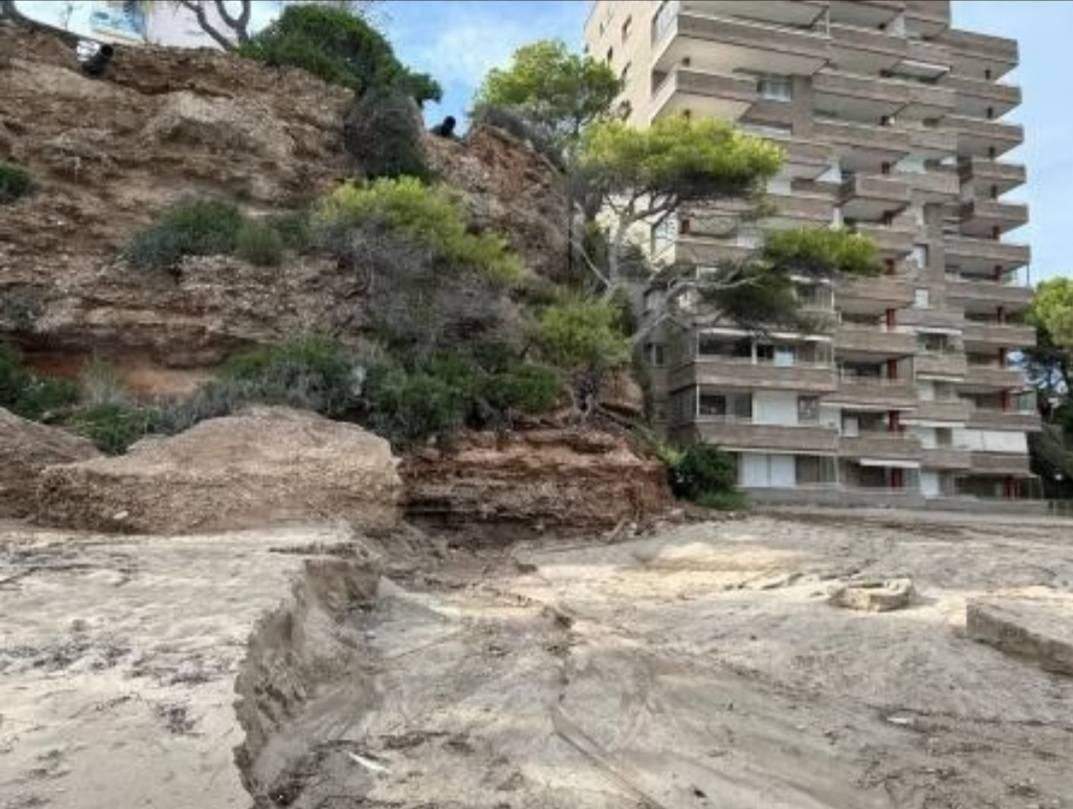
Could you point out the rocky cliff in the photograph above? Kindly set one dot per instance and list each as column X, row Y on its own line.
column 108, row 154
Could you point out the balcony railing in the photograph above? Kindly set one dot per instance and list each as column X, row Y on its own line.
column 1008, row 254
column 941, row 363
column 868, row 390
column 946, row 458
column 874, row 340
column 748, row 435
column 1000, row 335
column 890, row 445
column 970, row 289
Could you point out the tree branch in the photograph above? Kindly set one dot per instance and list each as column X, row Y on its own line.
column 237, row 24
column 205, row 25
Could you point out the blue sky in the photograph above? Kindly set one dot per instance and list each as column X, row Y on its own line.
column 459, row 41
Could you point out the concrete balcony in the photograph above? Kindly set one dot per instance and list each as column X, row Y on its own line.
column 868, row 50
column 927, row 17
column 746, row 435
column 857, row 340
column 797, row 13
column 985, row 173
column 976, row 97
column 986, row 419
column 888, row 394
column 1000, row 463
column 865, row 13
column 892, row 446
column 856, row 96
column 930, row 142
column 989, row 336
column 875, row 294
column 797, row 209
column 702, row 249
column 979, row 256
column 977, row 137
column 949, row 365
column 993, row 377
column 718, row 95
column 891, row 241
column 946, row 458
column 971, row 53
column 883, row 141
column 746, row 45
column 931, row 318
column 932, row 186
column 865, row 196
column 732, row 372
column 977, row 295
column 980, row 217
column 956, row 411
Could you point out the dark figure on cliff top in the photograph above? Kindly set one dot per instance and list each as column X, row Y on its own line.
column 446, row 129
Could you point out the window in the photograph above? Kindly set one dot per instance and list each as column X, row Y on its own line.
column 626, row 26
column 808, row 409
column 737, row 407
column 814, row 469
column 933, row 343
column 655, row 353
column 713, row 404
column 775, row 88
column 921, row 299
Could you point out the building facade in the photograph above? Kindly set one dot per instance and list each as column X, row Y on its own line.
column 893, row 125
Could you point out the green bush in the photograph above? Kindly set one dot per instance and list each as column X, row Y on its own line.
column 190, row 227
column 293, row 228
column 409, row 407
column 112, row 427
column 259, row 243
column 26, row 394
column 338, row 47
column 583, row 334
column 702, row 470
column 523, row 387
column 430, row 217
column 15, row 182
column 819, row 251
column 724, row 501
column 310, row 371
column 383, row 132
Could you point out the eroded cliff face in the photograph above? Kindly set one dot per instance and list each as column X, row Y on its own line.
column 162, row 124
column 557, row 478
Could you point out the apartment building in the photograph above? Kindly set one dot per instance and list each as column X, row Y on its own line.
column 894, row 125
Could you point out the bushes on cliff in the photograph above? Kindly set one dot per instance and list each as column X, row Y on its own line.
column 29, row 395
column 338, row 47
column 382, row 130
column 15, row 182
column 190, row 227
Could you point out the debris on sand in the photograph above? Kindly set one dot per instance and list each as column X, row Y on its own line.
column 1038, row 630
column 872, row 595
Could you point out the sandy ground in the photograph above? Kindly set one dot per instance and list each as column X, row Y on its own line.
column 697, row 667
column 118, row 658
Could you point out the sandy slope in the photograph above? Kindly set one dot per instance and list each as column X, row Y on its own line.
column 697, row 667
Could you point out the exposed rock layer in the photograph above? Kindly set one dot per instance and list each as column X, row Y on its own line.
column 26, row 448
column 559, row 478
column 265, row 466
column 1039, row 631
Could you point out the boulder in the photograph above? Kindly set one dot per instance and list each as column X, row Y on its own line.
column 1039, row 630
column 263, row 466
column 27, row 448
column 563, row 479
column 872, row 595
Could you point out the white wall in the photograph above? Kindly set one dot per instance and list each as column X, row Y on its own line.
column 775, row 407
column 926, row 436
column 990, row 440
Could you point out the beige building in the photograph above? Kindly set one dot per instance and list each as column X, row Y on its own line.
column 893, row 124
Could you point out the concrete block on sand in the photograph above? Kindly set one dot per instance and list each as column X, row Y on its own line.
column 872, row 595
column 1039, row 630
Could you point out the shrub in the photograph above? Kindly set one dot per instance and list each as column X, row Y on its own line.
column 724, row 501
column 293, row 228
column 383, row 131
column 112, row 427
column 259, row 243
column 819, row 251
column 15, row 182
column 430, row 217
column 409, row 407
column 515, row 122
column 190, row 227
column 26, row 394
column 100, row 384
column 311, row 372
column 701, row 470
column 523, row 387
column 338, row 47
column 583, row 334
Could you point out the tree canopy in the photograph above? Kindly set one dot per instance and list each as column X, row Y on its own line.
column 340, row 48
column 1052, row 310
column 559, row 91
